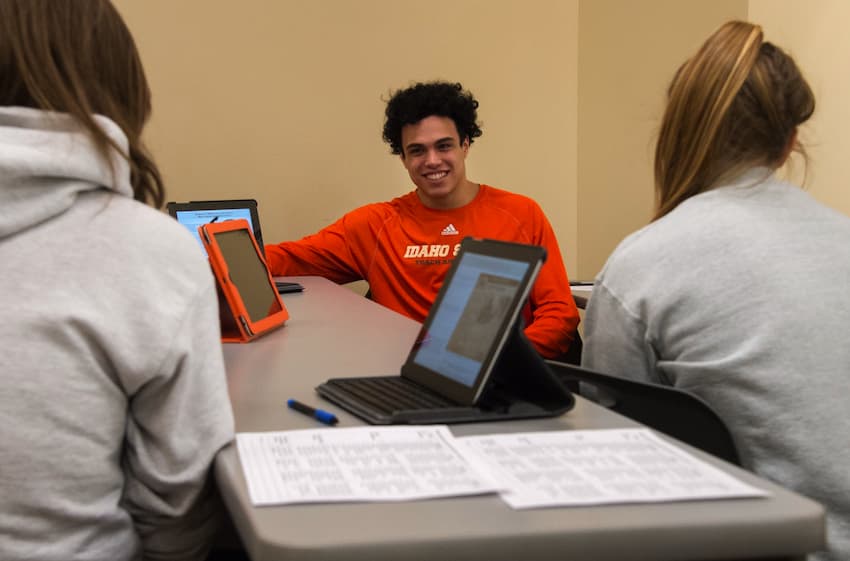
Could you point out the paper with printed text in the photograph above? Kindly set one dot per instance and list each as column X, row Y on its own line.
column 357, row 464
column 529, row 470
column 589, row 467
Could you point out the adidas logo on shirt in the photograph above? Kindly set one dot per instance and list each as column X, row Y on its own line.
column 450, row 230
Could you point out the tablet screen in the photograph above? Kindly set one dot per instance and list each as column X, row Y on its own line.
column 248, row 273
column 194, row 218
column 198, row 213
column 471, row 316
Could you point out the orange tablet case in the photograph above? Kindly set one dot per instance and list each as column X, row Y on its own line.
column 249, row 304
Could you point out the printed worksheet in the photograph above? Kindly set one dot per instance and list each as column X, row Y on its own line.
column 357, row 464
column 587, row 467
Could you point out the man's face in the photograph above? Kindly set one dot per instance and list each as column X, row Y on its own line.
column 435, row 159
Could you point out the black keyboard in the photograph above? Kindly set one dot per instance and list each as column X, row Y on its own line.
column 390, row 394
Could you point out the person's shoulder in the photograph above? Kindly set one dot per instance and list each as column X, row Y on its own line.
column 505, row 198
column 137, row 232
column 154, row 225
column 637, row 244
column 498, row 193
column 378, row 211
column 401, row 202
column 699, row 225
column 798, row 198
column 638, row 253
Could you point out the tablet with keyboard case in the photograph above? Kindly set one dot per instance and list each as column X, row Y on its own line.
column 471, row 360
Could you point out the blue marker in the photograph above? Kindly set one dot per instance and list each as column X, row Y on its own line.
column 323, row 416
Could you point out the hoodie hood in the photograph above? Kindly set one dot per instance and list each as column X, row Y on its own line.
column 46, row 160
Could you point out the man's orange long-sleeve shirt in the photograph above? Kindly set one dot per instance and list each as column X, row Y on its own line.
column 403, row 249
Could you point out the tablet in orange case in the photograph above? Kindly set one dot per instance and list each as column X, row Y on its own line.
column 249, row 304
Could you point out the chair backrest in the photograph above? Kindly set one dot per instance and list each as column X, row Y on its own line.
column 581, row 301
column 666, row 409
column 573, row 354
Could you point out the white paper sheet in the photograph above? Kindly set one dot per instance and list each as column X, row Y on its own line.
column 357, row 464
column 561, row 468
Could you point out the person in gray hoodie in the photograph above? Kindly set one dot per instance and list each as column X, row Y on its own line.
column 739, row 290
column 113, row 402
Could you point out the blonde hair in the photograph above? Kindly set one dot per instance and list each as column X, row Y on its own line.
column 734, row 105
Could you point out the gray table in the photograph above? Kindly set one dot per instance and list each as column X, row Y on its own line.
column 334, row 332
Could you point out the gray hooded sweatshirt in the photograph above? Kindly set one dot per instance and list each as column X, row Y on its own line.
column 741, row 295
column 113, row 400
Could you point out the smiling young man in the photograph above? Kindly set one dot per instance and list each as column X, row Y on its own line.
column 403, row 248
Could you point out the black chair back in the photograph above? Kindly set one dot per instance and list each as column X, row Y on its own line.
column 666, row 409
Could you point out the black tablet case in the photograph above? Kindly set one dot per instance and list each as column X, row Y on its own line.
column 520, row 384
column 521, row 387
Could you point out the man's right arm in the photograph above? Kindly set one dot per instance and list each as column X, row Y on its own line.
column 337, row 252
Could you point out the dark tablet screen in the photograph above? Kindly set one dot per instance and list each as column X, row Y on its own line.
column 248, row 274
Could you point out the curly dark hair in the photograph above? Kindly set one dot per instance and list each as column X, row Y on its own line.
column 421, row 100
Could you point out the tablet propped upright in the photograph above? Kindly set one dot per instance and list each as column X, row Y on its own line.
column 471, row 361
column 195, row 213
column 249, row 304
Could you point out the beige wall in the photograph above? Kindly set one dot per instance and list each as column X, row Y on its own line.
column 628, row 52
column 815, row 34
column 281, row 100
